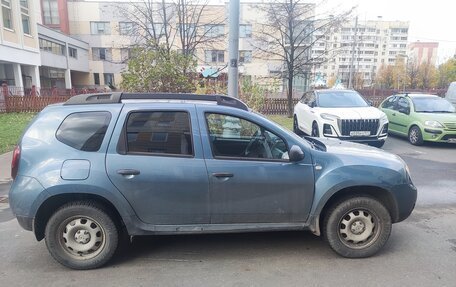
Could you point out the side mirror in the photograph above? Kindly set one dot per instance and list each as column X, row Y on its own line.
column 296, row 154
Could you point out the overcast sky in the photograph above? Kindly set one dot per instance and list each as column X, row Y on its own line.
column 432, row 21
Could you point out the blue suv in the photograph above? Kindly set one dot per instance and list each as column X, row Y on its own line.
column 101, row 166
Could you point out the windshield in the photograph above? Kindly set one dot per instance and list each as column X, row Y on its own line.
column 432, row 105
column 340, row 99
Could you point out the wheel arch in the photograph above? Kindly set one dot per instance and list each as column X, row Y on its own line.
column 378, row 193
column 52, row 203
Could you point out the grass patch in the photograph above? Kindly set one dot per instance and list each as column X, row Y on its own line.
column 284, row 121
column 11, row 127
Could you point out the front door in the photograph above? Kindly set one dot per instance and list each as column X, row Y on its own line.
column 251, row 179
column 158, row 167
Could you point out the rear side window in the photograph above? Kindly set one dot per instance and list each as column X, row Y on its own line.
column 84, row 131
column 159, row 132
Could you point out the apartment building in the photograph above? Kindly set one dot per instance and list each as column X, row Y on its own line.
column 19, row 50
column 366, row 44
column 423, row 52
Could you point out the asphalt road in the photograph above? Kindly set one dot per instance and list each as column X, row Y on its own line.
column 420, row 252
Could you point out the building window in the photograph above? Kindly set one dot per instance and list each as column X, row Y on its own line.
column 156, row 30
column 189, row 29
column 73, row 52
column 125, row 54
column 101, row 54
column 25, row 17
column 96, row 78
column 52, row 47
column 245, row 31
column 245, row 56
column 125, row 28
column 50, row 12
column 109, row 79
column 100, row 28
column 6, row 12
column 213, row 31
column 215, row 56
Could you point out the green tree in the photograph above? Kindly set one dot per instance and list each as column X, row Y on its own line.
column 159, row 70
column 447, row 73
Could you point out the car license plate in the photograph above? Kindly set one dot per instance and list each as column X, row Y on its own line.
column 360, row 133
column 452, row 140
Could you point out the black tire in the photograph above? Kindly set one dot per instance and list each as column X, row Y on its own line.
column 370, row 227
column 315, row 131
column 81, row 235
column 296, row 129
column 415, row 137
column 378, row 144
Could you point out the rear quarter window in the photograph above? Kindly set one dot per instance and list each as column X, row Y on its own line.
column 84, row 131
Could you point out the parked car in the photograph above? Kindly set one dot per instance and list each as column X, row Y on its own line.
column 149, row 164
column 342, row 114
column 451, row 94
column 421, row 117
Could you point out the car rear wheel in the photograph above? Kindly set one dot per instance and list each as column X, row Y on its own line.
column 296, row 129
column 315, row 131
column 415, row 137
column 81, row 235
column 357, row 227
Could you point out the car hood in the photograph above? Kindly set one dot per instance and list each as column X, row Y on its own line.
column 440, row 117
column 353, row 113
column 351, row 153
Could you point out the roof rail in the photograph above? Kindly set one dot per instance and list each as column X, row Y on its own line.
column 116, row 97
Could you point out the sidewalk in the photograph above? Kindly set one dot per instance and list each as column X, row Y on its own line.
column 5, row 167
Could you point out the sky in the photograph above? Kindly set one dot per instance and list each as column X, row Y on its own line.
column 430, row 21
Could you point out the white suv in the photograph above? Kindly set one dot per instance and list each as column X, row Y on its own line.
column 342, row 114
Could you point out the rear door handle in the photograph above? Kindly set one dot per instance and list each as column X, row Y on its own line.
column 222, row 174
column 128, row 172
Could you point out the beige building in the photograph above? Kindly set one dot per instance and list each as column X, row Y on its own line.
column 423, row 52
column 376, row 43
column 19, row 50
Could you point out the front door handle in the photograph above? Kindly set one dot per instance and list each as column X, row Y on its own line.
column 222, row 174
column 393, row 114
column 128, row 172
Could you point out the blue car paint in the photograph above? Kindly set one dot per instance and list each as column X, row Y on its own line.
column 321, row 175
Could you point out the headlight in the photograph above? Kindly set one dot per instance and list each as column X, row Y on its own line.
column 329, row 117
column 433, row 124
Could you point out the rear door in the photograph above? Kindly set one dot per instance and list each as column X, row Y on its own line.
column 156, row 161
column 402, row 115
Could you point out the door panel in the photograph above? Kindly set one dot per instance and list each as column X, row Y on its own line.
column 260, row 185
column 161, row 173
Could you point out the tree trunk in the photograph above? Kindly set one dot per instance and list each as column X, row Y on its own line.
column 290, row 95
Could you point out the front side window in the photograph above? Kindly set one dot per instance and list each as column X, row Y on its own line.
column 159, row 132
column 403, row 105
column 6, row 13
column 238, row 138
column 84, row 131
column 389, row 103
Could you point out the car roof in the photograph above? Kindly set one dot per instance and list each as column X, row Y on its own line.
column 116, row 97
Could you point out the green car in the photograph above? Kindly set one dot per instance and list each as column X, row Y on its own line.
column 421, row 117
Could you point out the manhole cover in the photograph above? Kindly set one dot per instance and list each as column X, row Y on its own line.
column 3, row 199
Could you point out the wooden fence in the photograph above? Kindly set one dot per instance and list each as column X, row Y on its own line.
column 272, row 106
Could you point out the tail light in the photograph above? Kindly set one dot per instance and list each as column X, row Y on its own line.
column 15, row 161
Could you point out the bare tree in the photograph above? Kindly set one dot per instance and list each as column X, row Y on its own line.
column 413, row 72
column 290, row 31
column 180, row 24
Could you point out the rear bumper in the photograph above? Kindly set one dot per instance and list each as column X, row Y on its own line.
column 25, row 222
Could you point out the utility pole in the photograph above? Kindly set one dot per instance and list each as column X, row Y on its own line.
column 352, row 60
column 233, row 49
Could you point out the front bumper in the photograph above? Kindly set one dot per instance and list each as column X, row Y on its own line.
column 439, row 135
column 331, row 130
column 405, row 195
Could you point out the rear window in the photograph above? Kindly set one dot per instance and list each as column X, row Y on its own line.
column 84, row 131
column 159, row 132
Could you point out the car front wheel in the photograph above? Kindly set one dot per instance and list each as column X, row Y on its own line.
column 81, row 235
column 357, row 227
column 415, row 137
